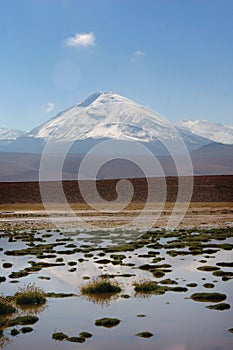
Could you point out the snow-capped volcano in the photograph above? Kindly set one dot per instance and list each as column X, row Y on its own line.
column 103, row 116
column 106, row 115
column 10, row 134
column 213, row 131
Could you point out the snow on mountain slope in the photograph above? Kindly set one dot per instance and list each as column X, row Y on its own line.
column 192, row 139
column 106, row 115
column 10, row 134
column 213, row 131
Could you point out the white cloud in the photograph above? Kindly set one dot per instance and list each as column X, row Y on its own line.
column 50, row 107
column 137, row 55
column 81, row 40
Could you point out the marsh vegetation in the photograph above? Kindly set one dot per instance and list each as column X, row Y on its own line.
column 143, row 273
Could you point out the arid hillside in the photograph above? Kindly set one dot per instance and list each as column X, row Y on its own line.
column 206, row 189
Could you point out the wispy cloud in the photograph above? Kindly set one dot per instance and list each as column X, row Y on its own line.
column 137, row 55
column 50, row 107
column 81, row 40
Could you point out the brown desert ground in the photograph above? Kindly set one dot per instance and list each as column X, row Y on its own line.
column 211, row 203
column 205, row 189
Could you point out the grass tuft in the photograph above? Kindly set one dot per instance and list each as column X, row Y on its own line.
column 5, row 307
column 30, row 295
column 147, row 286
column 101, row 286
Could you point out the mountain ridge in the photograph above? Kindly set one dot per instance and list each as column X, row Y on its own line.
column 216, row 132
column 104, row 116
column 107, row 115
column 10, row 134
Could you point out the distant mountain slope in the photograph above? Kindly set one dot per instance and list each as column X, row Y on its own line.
column 213, row 159
column 19, row 166
column 7, row 136
column 213, row 131
column 215, row 149
column 108, row 115
column 6, row 133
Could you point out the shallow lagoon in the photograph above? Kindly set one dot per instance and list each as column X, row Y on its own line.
column 177, row 322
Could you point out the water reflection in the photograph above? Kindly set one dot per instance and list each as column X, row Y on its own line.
column 177, row 347
column 172, row 317
column 4, row 341
column 32, row 310
column 103, row 300
column 20, row 315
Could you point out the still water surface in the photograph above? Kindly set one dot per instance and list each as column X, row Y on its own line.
column 177, row 322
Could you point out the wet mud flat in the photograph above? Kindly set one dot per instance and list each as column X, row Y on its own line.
column 81, row 216
column 70, row 288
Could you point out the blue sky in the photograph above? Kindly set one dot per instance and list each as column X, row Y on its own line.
column 174, row 56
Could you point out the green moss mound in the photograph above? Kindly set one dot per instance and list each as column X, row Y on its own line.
column 192, row 285
column 107, row 322
column 76, row 339
column 219, row 307
column 208, row 268
column 85, row 335
column 208, row 285
column 158, row 273
column 23, row 320
column 59, row 336
column 6, row 308
column 14, row 332
column 168, row 281
column 152, row 287
column 208, row 297
column 144, row 334
column 26, row 329
column 7, row 265
column 60, row 295
column 148, row 287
